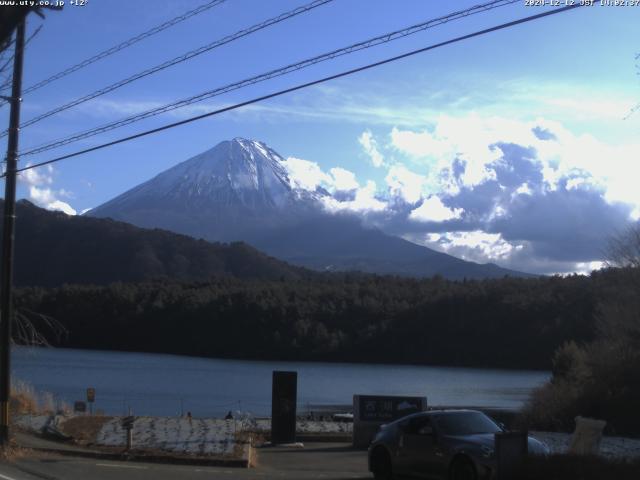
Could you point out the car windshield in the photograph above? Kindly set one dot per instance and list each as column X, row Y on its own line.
column 465, row 423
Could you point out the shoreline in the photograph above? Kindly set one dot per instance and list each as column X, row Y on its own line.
column 289, row 361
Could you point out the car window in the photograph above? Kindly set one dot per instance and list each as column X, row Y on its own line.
column 417, row 425
column 465, row 423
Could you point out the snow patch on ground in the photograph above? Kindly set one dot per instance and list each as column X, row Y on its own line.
column 611, row 447
column 178, row 435
column 208, row 436
column 32, row 423
column 302, row 426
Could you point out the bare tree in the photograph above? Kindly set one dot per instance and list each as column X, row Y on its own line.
column 623, row 249
column 35, row 329
column 636, row 107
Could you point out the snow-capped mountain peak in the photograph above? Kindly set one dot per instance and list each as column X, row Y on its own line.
column 240, row 172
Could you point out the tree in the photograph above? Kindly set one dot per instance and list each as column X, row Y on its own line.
column 623, row 249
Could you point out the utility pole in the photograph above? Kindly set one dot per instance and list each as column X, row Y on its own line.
column 9, row 220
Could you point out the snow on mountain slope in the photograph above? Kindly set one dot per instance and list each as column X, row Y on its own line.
column 240, row 172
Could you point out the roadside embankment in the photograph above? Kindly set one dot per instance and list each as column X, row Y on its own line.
column 211, row 437
column 168, row 439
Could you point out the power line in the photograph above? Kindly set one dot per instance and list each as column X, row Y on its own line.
column 179, row 59
column 6, row 64
column 387, row 37
column 125, row 44
column 305, row 85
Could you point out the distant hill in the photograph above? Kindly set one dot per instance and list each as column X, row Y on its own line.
column 53, row 248
column 240, row 191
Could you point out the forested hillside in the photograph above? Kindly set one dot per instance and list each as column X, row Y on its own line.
column 512, row 323
column 53, row 248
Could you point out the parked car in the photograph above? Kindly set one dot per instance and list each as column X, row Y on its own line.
column 439, row 444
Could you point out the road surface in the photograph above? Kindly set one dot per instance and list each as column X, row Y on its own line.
column 328, row 461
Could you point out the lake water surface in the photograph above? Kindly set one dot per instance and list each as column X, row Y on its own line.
column 153, row 384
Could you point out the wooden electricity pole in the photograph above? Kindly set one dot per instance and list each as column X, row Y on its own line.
column 6, row 260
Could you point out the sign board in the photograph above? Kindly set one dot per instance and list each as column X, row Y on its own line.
column 79, row 406
column 91, row 395
column 387, row 409
column 127, row 422
column 371, row 411
column 283, row 407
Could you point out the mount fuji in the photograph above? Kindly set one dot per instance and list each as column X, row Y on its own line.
column 240, row 191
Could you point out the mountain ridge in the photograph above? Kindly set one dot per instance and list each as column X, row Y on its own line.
column 53, row 248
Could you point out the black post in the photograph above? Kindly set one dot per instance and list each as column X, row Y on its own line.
column 284, row 397
column 6, row 310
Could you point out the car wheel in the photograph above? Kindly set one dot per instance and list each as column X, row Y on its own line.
column 463, row 469
column 381, row 465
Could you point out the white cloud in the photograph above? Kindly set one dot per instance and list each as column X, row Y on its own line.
column 592, row 108
column 308, row 175
column 62, row 207
column 409, row 103
column 107, row 108
column 419, row 144
column 530, row 195
column 365, row 200
column 344, row 180
column 47, row 198
column 305, row 174
column 469, row 139
column 475, row 245
column 38, row 181
column 433, row 210
column 585, row 268
column 371, row 148
column 404, row 183
column 523, row 189
column 582, row 160
column 37, row 176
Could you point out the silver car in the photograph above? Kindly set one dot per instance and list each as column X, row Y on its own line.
column 442, row 444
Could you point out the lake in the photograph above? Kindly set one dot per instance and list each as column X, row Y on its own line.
column 155, row 384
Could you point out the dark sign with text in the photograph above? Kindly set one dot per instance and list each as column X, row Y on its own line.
column 375, row 408
column 283, row 407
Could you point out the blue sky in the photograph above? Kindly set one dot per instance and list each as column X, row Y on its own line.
column 516, row 147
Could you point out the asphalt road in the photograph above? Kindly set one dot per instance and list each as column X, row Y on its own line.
column 330, row 461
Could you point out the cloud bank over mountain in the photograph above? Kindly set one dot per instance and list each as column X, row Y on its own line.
column 531, row 196
column 39, row 183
